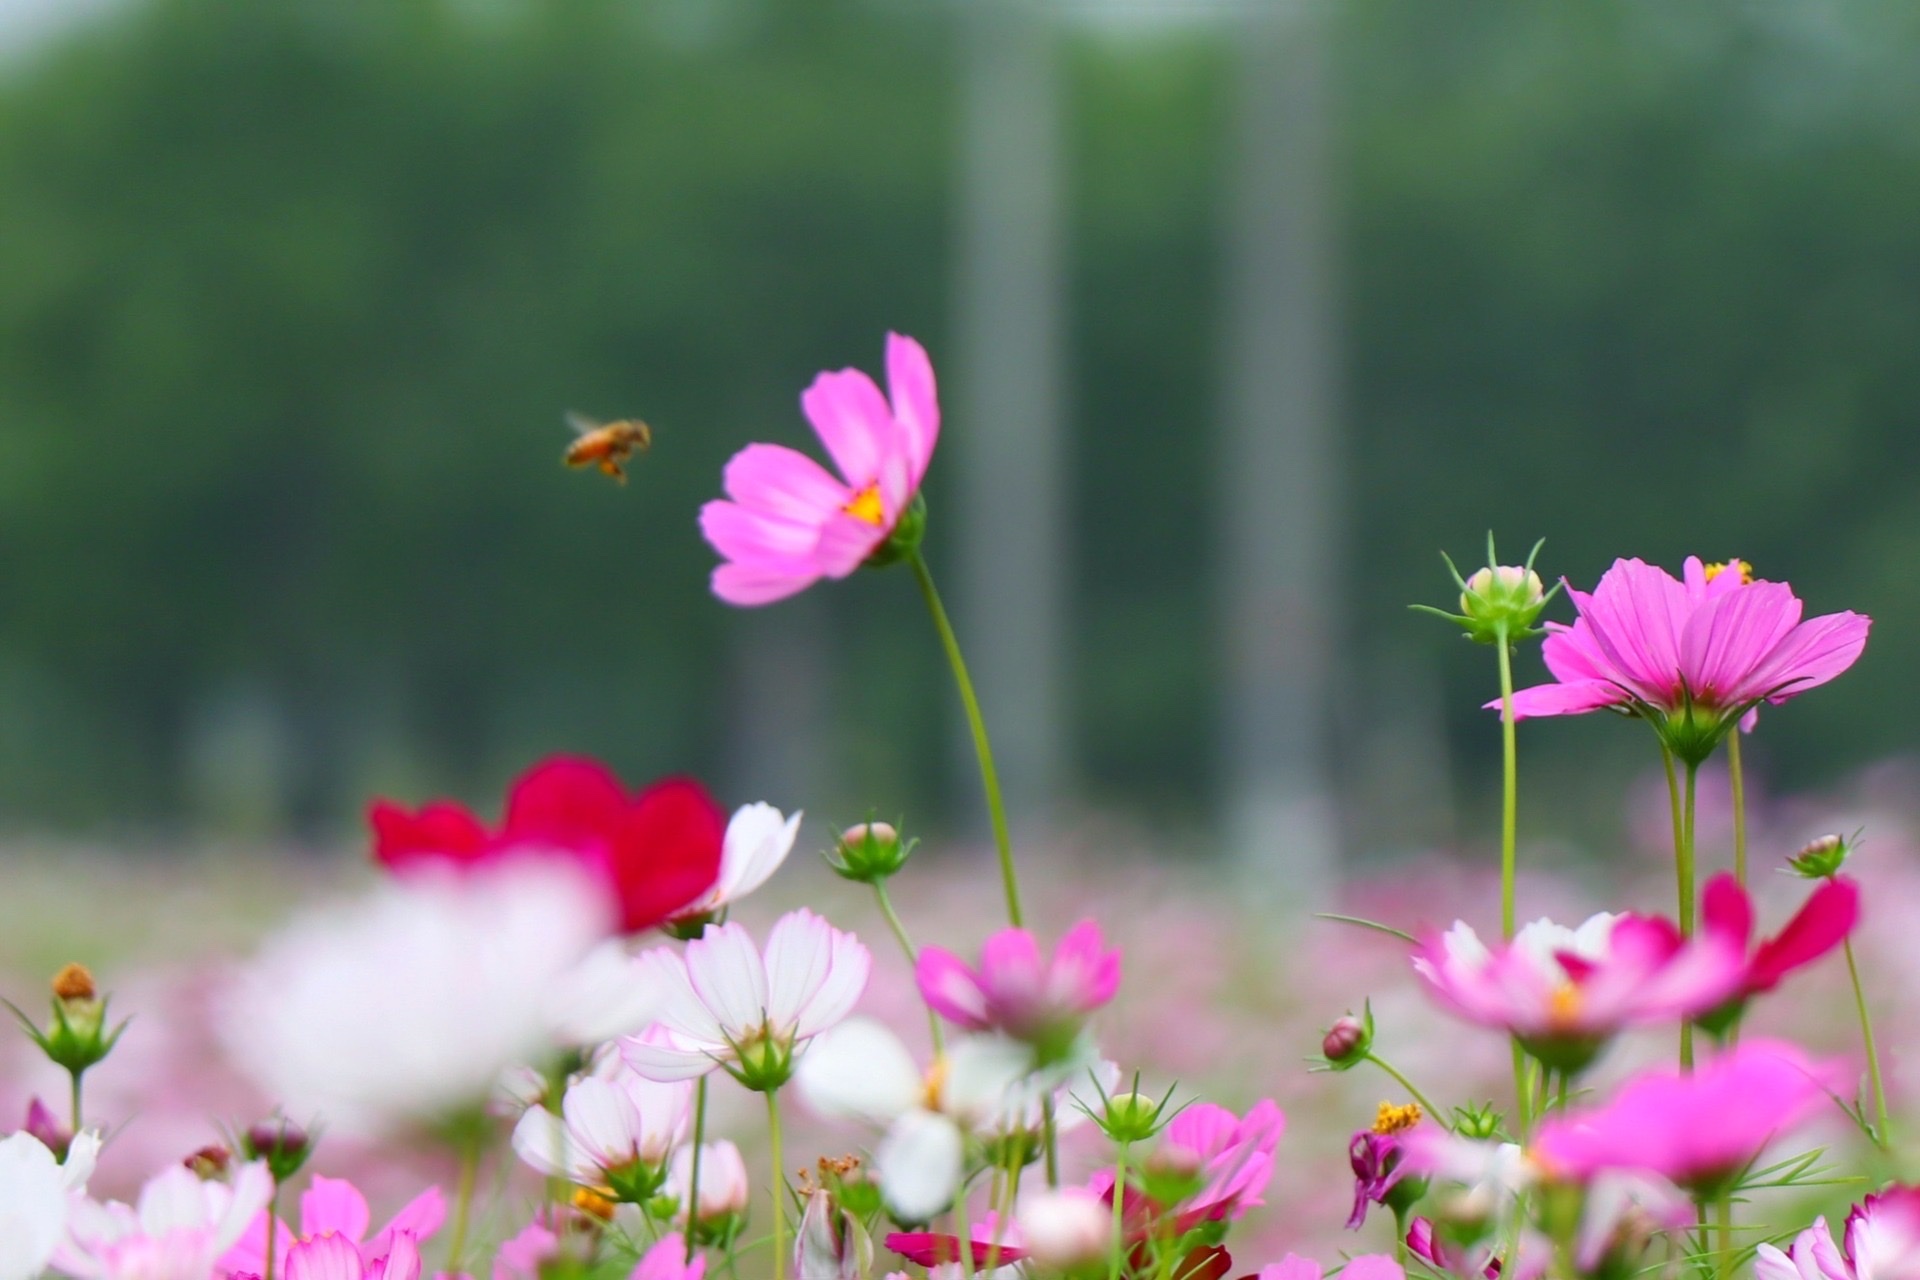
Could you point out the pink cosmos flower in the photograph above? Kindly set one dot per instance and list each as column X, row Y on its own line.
column 724, row 1190
column 990, row 1238
column 334, row 1207
column 787, row 521
column 334, row 1257
column 178, row 1230
column 1016, row 990
column 522, row 1256
column 1566, row 992
column 1367, row 1266
column 726, row 1004
column 1821, row 924
column 1695, row 1129
column 1692, row 655
column 615, row 1132
column 1882, row 1243
column 1233, row 1156
column 667, row 1260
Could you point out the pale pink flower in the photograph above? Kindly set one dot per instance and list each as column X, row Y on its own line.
column 1233, row 1156
column 1067, row 1227
column 1367, row 1266
column 178, row 1230
column 667, row 1260
column 724, row 1189
column 1882, row 1237
column 335, row 1207
column 521, row 1256
column 787, row 521
column 611, row 1132
column 1692, row 654
column 1020, row 992
column 759, row 838
column 1695, row 1128
column 830, row 1244
column 1566, row 992
column 334, row 1257
column 725, row 1004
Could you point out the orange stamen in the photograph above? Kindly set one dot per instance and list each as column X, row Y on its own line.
column 866, row 507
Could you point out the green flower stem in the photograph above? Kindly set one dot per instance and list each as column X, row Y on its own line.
column 1883, row 1135
column 1052, row 1131
column 463, row 1203
column 778, row 1185
column 982, row 748
column 1737, row 779
column 962, row 1230
column 913, row 957
column 273, row 1223
column 1723, row 1221
column 693, row 1171
column 1407, row 1084
column 1117, row 1247
column 1509, row 839
column 1683, row 869
column 74, row 1080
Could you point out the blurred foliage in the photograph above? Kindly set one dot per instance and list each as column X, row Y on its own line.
column 293, row 293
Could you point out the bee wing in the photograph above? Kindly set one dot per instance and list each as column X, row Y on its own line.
column 582, row 425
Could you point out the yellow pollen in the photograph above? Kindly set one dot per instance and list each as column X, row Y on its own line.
column 1716, row 569
column 866, row 507
column 1563, row 1006
column 593, row 1203
column 1392, row 1119
column 935, row 1082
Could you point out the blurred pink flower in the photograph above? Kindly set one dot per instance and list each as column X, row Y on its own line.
column 334, row 1257
column 787, row 521
column 1882, row 1243
column 667, row 1260
column 333, row 1206
column 178, row 1230
column 1566, row 992
column 1822, row 923
column 1234, row 1155
column 1689, row 654
column 1366, row 1266
column 990, row 1238
column 1018, row 991
column 1696, row 1129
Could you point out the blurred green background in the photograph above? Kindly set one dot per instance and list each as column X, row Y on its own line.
column 293, row 294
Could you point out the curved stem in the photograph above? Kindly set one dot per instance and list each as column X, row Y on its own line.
column 1737, row 779
column 963, row 1232
column 778, row 1186
column 913, row 958
column 1407, row 1084
column 463, row 1203
column 1883, row 1136
column 982, row 748
column 693, row 1171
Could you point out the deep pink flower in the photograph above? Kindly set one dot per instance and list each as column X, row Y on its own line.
column 1377, row 1158
column 1822, row 923
column 1018, row 991
column 1367, row 1266
column 1692, row 655
column 656, row 851
column 332, row 1206
column 1697, row 1129
column 1233, row 1156
column 1882, row 1243
column 990, row 1238
column 1566, row 992
column 787, row 521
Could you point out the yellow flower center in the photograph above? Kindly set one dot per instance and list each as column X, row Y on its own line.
column 934, row 1085
column 593, row 1203
column 866, row 507
column 1716, row 569
column 1563, row 1006
column 1392, row 1119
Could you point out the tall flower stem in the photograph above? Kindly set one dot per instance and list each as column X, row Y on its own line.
column 982, row 748
column 693, row 1171
column 1117, row 1246
column 1882, row 1135
column 963, row 1232
column 1723, row 1222
column 778, row 1185
column 463, row 1203
column 1683, row 811
column 1737, row 779
column 273, row 1224
column 1509, row 837
column 913, row 957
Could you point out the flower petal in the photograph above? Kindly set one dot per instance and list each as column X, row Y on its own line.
column 919, row 1165
column 853, row 421
column 916, row 403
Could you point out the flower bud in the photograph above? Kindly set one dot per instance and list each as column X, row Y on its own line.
column 1821, row 859
column 77, row 1038
column 870, row 852
column 1132, row 1117
column 1498, row 603
column 1477, row 1120
column 44, row 1125
column 720, row 1210
column 283, row 1144
column 1347, row 1042
column 1066, row 1229
column 210, row 1163
column 831, row 1244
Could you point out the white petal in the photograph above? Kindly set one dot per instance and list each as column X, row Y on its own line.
column 799, row 955
column 608, row 994
column 859, row 1070
column 604, row 1121
column 33, row 1206
column 82, row 1154
column 980, row 1072
column 758, row 841
column 727, row 974
column 919, row 1165
column 664, row 1059
column 846, row 982
column 541, row 1141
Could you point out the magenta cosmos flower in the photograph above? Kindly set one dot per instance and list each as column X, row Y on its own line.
column 1822, row 923
column 787, row 521
column 1018, row 991
column 1691, row 655
column 1697, row 1129
column 1882, row 1243
column 1566, row 992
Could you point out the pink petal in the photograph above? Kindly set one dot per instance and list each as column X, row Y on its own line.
column 758, row 584
column 332, row 1204
column 1011, row 967
column 1637, row 614
column 1731, row 634
column 950, row 988
column 327, row 1257
column 784, row 483
column 400, row 1262
column 742, row 534
column 1726, row 909
column 1817, row 928
column 1576, row 698
column 1813, row 653
column 852, row 420
column 916, row 405
column 421, row 1217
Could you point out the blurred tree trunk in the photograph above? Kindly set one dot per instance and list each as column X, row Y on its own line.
column 1280, row 482
column 1007, row 441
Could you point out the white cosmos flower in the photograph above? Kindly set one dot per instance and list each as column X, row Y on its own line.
column 411, row 1003
column 34, row 1191
column 758, row 840
column 861, row 1071
column 609, row 994
column 726, row 1004
column 615, row 1132
column 177, row 1231
column 724, row 1189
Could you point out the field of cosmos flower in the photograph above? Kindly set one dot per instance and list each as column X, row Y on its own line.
column 614, row 1029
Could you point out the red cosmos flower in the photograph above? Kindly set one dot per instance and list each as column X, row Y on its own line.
column 656, row 851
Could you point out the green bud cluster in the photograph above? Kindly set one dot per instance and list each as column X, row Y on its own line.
column 1498, row 603
column 870, row 853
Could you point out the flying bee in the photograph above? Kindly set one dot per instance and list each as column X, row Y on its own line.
column 606, row 445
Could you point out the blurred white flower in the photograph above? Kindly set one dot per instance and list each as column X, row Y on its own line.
column 727, row 1005
column 178, row 1230
column 34, row 1191
column 615, row 1132
column 609, row 994
column 758, row 840
column 1067, row 1227
column 411, row 1003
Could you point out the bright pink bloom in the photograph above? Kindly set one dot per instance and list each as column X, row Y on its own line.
column 1696, row 1129
column 522, row 1256
column 667, row 1260
column 1882, row 1243
column 1566, row 992
column 1821, row 924
column 1691, row 655
column 332, row 1206
column 787, row 521
column 1233, row 1155
column 990, row 1238
column 334, row 1257
column 1017, row 990
column 656, row 852
column 1367, row 1266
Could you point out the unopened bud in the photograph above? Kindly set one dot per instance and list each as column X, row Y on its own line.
column 44, row 1125
column 1498, row 603
column 73, row 982
column 870, row 852
column 283, row 1144
column 1346, row 1042
column 77, row 1038
column 1132, row 1117
column 1477, row 1120
column 209, row 1163
column 1820, row 859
